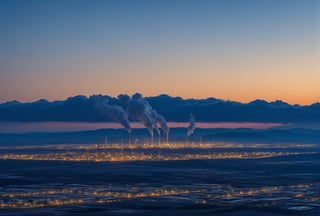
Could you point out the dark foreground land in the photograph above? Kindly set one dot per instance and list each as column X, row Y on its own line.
column 279, row 184
column 286, row 185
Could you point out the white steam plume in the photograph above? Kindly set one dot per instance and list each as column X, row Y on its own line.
column 159, row 119
column 113, row 111
column 140, row 110
column 192, row 125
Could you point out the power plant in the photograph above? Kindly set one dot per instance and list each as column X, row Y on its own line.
column 134, row 108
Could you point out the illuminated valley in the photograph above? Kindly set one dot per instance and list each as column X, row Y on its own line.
column 202, row 194
column 151, row 152
column 136, row 180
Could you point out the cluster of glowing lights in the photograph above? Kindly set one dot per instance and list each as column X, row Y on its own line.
column 140, row 156
column 147, row 152
column 198, row 194
column 203, row 194
column 172, row 145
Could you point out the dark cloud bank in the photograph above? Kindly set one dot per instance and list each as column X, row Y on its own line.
column 153, row 112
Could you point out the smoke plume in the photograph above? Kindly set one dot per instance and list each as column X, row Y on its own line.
column 113, row 111
column 192, row 125
column 136, row 108
column 159, row 119
column 123, row 101
column 139, row 109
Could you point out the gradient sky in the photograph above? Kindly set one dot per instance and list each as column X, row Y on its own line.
column 230, row 49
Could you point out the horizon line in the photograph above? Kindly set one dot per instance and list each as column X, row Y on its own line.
column 163, row 94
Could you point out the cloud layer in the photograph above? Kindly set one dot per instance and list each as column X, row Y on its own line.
column 81, row 108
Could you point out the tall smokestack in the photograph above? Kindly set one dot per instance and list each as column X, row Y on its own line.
column 138, row 108
column 163, row 124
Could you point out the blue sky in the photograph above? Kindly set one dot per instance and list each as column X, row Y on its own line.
column 230, row 49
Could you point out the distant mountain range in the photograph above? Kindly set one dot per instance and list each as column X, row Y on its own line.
column 82, row 108
column 219, row 135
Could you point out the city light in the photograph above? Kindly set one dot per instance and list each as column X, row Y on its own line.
column 207, row 194
column 150, row 152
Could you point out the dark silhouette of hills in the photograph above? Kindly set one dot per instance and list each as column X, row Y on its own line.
column 82, row 108
column 237, row 135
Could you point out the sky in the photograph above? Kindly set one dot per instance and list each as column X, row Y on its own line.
column 238, row 50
